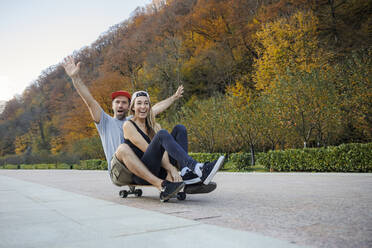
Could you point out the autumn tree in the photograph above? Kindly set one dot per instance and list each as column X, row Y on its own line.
column 287, row 44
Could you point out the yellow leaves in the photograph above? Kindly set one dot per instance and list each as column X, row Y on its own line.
column 287, row 44
column 255, row 21
column 21, row 143
column 57, row 143
column 238, row 90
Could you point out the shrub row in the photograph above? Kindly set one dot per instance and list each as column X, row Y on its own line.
column 97, row 164
column 343, row 158
column 92, row 164
column 236, row 161
column 205, row 157
column 37, row 166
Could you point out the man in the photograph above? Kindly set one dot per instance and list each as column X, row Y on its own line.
column 122, row 161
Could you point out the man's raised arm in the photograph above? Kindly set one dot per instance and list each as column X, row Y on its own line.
column 163, row 105
column 72, row 70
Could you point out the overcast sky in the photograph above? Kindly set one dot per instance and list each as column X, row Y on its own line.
column 36, row 34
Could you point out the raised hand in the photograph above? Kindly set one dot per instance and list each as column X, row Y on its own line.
column 71, row 68
column 178, row 93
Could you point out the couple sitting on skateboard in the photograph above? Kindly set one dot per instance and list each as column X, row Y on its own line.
column 137, row 150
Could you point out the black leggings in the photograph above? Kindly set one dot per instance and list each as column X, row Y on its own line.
column 176, row 144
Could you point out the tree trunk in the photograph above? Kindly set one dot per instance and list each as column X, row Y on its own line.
column 252, row 156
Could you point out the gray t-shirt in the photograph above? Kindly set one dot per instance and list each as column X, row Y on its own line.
column 111, row 133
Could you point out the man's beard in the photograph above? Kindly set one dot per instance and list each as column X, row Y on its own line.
column 121, row 115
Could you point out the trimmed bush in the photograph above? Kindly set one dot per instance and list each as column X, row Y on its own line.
column 63, row 166
column 92, row 164
column 10, row 167
column 27, row 166
column 104, row 165
column 205, row 157
column 45, row 166
column 240, row 161
column 343, row 158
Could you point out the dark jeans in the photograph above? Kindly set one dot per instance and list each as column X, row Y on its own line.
column 176, row 144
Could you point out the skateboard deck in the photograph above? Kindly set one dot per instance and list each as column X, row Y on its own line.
column 188, row 189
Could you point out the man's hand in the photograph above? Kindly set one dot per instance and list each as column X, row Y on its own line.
column 71, row 68
column 178, row 93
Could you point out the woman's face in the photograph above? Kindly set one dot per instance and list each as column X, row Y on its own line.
column 141, row 107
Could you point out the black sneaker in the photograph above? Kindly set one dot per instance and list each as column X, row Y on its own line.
column 190, row 178
column 200, row 188
column 210, row 169
column 170, row 189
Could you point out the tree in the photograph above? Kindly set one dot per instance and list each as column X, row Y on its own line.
column 309, row 102
column 287, row 44
column 244, row 118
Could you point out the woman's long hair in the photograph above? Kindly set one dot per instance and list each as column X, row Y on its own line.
column 151, row 124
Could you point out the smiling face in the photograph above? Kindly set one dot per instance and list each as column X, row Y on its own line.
column 120, row 106
column 141, row 107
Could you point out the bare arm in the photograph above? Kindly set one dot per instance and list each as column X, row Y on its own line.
column 163, row 105
column 131, row 133
column 72, row 70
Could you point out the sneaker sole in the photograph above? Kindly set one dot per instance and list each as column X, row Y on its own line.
column 200, row 188
column 174, row 193
column 216, row 167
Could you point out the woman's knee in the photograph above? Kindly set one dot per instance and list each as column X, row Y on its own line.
column 163, row 133
column 180, row 128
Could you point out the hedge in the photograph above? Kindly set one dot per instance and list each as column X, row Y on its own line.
column 92, row 164
column 205, row 157
column 37, row 166
column 343, row 158
column 240, row 161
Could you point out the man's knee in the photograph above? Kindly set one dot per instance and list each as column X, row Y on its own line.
column 122, row 150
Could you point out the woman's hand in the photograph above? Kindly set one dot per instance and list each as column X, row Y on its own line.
column 173, row 175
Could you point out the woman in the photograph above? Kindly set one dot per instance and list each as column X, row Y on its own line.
column 152, row 145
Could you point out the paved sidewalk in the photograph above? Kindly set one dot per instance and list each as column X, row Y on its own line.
column 33, row 215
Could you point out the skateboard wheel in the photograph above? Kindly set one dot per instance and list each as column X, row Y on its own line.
column 138, row 192
column 161, row 200
column 123, row 193
column 181, row 196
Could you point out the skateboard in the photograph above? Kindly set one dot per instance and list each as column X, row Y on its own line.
column 138, row 192
column 188, row 189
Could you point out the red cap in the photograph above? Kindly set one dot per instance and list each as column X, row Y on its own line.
column 120, row 93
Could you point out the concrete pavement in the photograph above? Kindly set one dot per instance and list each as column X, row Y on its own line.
column 313, row 209
column 34, row 215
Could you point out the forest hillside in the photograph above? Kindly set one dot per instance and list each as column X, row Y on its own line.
column 258, row 75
